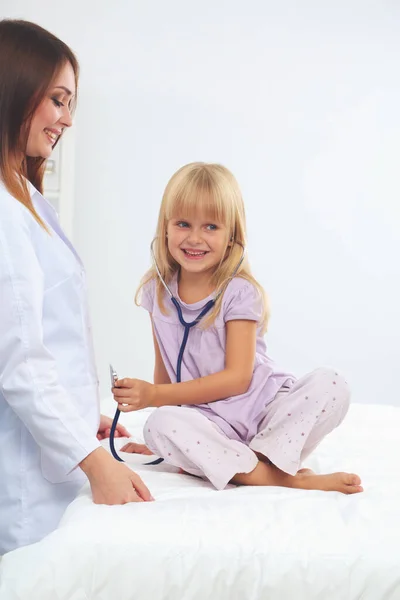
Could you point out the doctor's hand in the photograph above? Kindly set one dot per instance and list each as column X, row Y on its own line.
column 105, row 429
column 113, row 482
column 134, row 394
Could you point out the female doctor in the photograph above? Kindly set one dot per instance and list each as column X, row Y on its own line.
column 49, row 407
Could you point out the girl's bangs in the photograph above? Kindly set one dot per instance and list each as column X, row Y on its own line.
column 199, row 196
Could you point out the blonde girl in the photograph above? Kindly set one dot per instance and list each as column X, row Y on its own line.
column 235, row 417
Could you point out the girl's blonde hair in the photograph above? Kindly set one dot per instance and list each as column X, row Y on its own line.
column 212, row 189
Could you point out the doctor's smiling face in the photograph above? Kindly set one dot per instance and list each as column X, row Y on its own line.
column 53, row 114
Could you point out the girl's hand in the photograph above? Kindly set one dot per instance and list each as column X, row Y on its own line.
column 134, row 394
column 105, row 429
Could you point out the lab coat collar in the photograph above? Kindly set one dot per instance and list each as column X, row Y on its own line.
column 47, row 211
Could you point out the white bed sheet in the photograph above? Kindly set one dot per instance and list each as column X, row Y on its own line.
column 195, row 543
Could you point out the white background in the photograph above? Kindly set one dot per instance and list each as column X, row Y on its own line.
column 301, row 101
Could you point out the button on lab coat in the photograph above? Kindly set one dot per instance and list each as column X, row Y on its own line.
column 49, row 405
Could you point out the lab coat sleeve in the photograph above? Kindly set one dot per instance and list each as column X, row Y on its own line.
column 28, row 373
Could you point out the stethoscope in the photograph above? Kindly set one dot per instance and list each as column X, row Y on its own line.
column 187, row 327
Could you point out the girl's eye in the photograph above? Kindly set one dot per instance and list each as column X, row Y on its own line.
column 211, row 227
column 57, row 102
column 182, row 224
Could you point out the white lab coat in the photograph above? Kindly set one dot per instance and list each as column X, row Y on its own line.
column 49, row 405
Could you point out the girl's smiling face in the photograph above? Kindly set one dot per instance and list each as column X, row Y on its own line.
column 197, row 244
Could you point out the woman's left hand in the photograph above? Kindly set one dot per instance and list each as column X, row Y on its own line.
column 105, row 428
column 134, row 394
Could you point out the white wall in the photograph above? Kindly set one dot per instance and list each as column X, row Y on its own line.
column 301, row 100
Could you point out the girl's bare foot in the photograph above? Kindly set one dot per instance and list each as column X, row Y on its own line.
column 340, row 482
column 305, row 479
column 133, row 448
column 182, row 472
column 347, row 483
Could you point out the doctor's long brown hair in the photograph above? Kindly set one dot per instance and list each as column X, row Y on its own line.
column 30, row 58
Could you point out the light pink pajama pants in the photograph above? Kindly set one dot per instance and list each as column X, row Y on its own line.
column 293, row 425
